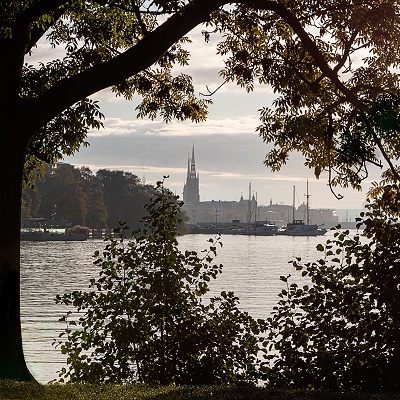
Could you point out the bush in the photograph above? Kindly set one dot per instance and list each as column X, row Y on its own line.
column 144, row 318
column 342, row 330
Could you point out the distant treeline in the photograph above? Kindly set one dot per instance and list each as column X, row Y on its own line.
column 77, row 196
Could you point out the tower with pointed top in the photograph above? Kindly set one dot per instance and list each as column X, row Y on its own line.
column 191, row 193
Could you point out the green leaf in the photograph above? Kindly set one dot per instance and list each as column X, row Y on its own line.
column 320, row 247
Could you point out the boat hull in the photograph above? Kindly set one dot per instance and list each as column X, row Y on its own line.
column 300, row 229
column 53, row 237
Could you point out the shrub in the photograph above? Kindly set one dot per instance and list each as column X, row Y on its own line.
column 342, row 330
column 145, row 317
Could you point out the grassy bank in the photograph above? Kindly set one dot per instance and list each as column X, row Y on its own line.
column 29, row 391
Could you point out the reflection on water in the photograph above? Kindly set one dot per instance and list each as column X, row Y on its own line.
column 252, row 267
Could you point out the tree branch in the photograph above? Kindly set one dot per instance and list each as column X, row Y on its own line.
column 346, row 52
column 36, row 10
column 145, row 53
column 37, row 32
column 212, row 92
column 377, row 141
column 132, row 61
column 314, row 51
column 14, row 48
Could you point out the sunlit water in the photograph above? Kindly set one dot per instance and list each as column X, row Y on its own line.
column 252, row 267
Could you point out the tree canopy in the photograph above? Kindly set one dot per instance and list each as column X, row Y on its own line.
column 332, row 65
column 67, row 194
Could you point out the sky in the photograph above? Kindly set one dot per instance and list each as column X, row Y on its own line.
column 229, row 153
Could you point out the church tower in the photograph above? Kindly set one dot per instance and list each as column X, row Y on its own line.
column 191, row 192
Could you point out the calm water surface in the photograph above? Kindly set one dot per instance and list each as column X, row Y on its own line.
column 252, row 267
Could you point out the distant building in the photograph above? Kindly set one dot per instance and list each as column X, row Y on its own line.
column 191, row 193
column 284, row 214
column 214, row 212
column 244, row 210
column 349, row 215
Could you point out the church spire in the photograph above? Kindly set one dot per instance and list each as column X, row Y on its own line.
column 193, row 165
column 191, row 188
column 188, row 168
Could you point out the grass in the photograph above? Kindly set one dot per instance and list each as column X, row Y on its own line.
column 11, row 390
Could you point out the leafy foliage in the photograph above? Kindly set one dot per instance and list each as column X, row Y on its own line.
column 62, row 196
column 76, row 195
column 91, row 33
column 386, row 194
column 307, row 51
column 340, row 329
column 330, row 63
column 125, row 196
column 326, row 109
column 145, row 319
column 64, row 135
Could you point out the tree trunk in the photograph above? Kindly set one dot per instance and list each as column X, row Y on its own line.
column 12, row 155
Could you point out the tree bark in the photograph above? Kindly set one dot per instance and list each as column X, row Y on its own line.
column 12, row 155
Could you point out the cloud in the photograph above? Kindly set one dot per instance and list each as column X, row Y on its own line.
column 44, row 53
column 229, row 153
column 228, row 126
column 227, row 163
column 258, row 177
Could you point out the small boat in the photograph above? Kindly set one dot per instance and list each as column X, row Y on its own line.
column 298, row 227
column 262, row 229
column 234, row 230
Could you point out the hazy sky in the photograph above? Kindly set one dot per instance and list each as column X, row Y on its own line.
column 229, row 153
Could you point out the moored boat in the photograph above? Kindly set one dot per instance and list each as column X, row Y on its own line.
column 298, row 227
column 258, row 228
column 262, row 229
column 77, row 233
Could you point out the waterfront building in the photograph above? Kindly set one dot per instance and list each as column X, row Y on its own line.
column 244, row 210
column 283, row 214
column 218, row 211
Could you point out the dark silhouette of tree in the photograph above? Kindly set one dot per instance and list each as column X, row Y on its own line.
column 304, row 50
column 63, row 198
column 96, row 215
column 70, row 195
column 124, row 196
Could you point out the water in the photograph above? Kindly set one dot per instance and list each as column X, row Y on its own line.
column 252, row 267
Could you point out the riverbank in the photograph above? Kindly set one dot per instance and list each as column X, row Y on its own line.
column 33, row 391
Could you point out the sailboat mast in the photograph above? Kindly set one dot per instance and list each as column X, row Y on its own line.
column 249, row 210
column 255, row 209
column 308, row 206
column 294, row 196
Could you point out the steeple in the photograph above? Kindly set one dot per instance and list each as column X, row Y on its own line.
column 188, row 168
column 193, row 165
column 191, row 188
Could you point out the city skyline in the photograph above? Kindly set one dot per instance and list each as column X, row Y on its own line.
column 229, row 151
column 225, row 174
